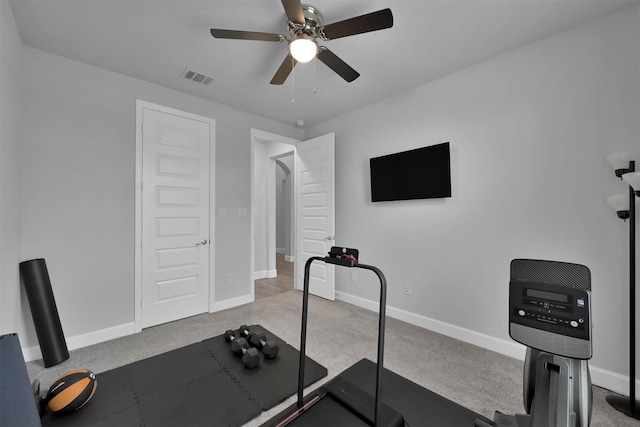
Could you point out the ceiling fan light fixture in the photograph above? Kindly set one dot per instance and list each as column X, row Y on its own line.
column 303, row 49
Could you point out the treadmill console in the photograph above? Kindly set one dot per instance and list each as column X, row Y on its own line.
column 551, row 318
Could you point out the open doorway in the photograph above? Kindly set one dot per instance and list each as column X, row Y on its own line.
column 284, row 277
column 273, row 216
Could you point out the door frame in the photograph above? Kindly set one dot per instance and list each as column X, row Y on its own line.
column 262, row 137
column 137, row 299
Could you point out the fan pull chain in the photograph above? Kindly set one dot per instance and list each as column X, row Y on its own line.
column 314, row 74
column 293, row 80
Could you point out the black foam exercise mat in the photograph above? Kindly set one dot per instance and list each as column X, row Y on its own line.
column 202, row 384
column 274, row 380
column 181, row 387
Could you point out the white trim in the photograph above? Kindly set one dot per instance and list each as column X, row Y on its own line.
column 140, row 106
column 265, row 274
column 289, row 258
column 508, row 348
column 232, row 302
column 137, row 252
column 612, row 381
column 600, row 377
column 84, row 340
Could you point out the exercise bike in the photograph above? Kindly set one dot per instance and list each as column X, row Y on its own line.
column 550, row 313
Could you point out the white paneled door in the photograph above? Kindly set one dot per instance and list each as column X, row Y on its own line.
column 315, row 211
column 175, row 217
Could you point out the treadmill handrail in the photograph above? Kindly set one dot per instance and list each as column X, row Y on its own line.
column 381, row 326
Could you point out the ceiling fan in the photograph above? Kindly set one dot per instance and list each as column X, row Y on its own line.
column 305, row 27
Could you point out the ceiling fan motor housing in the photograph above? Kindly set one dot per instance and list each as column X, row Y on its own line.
column 311, row 27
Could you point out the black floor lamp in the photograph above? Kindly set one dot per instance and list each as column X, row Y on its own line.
column 624, row 205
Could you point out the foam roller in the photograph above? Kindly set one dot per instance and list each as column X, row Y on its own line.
column 35, row 278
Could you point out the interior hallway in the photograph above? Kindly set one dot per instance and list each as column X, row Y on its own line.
column 276, row 285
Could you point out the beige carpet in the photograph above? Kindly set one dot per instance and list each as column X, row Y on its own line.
column 339, row 335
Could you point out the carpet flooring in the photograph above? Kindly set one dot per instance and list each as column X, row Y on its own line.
column 339, row 335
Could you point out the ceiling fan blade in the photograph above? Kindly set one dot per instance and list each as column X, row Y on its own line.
column 246, row 35
column 332, row 61
column 293, row 9
column 285, row 69
column 360, row 24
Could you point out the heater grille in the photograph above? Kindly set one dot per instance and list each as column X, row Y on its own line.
column 196, row 76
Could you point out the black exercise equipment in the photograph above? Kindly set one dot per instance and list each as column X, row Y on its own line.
column 268, row 348
column 202, row 384
column 244, row 331
column 341, row 399
column 240, row 347
column 550, row 313
column 35, row 278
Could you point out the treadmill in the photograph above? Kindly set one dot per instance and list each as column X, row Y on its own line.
column 340, row 402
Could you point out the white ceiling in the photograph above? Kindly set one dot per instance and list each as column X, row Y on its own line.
column 155, row 40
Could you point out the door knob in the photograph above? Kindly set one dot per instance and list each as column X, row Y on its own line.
column 202, row 242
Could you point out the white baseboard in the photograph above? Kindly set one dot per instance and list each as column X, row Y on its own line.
column 84, row 340
column 600, row 377
column 231, row 302
column 265, row 274
column 508, row 348
column 102, row 335
column 612, row 381
column 289, row 258
column 281, row 250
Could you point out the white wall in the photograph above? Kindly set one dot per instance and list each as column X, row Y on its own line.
column 76, row 186
column 260, row 199
column 284, row 208
column 529, row 133
column 281, row 176
column 288, row 211
column 10, row 105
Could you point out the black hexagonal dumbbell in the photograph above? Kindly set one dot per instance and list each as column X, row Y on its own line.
column 270, row 349
column 240, row 346
column 244, row 332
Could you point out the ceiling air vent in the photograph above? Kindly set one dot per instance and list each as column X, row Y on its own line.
column 196, row 77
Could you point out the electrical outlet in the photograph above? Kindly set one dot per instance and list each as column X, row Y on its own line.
column 354, row 276
column 242, row 212
column 407, row 288
column 223, row 212
column 229, row 279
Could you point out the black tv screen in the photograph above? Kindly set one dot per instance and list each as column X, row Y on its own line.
column 423, row 173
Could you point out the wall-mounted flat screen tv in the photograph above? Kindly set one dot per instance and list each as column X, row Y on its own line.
column 423, row 173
